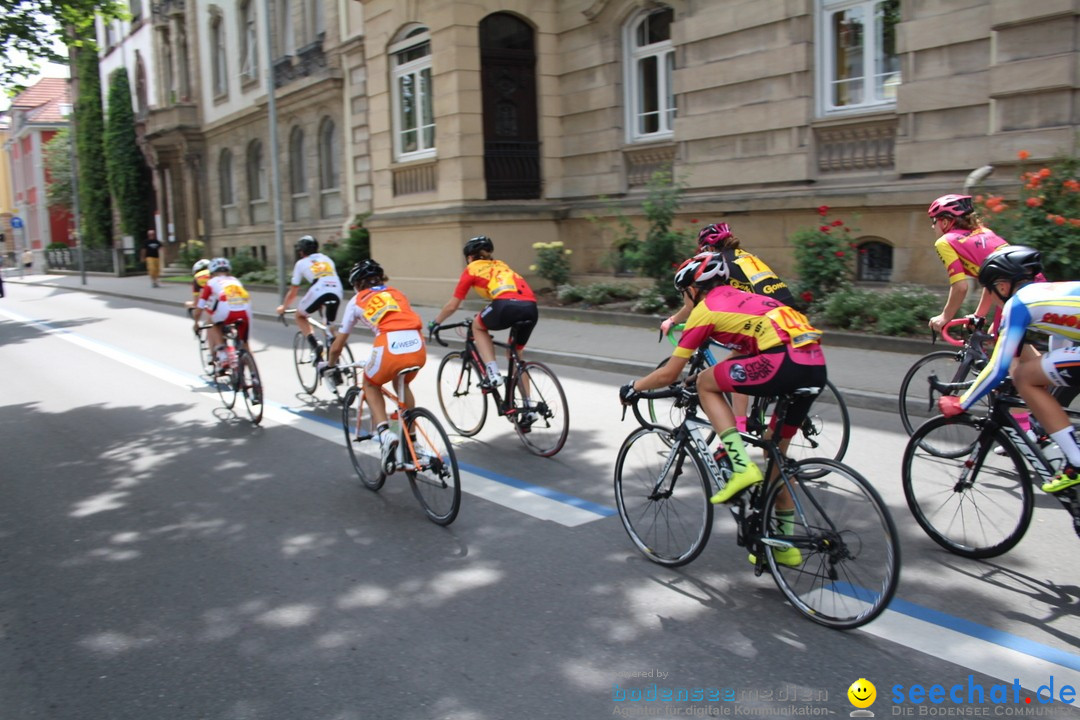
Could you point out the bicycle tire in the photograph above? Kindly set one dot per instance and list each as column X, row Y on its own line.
column 304, row 360
column 435, row 480
column 915, row 398
column 544, row 425
column 849, row 551
column 225, row 382
column 250, row 385
column 368, row 466
column 663, row 411
column 348, row 376
column 968, row 499
column 672, row 528
column 206, row 354
column 462, row 401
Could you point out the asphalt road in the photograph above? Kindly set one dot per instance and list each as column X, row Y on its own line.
column 162, row 558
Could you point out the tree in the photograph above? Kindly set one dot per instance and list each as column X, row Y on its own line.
column 95, row 206
column 33, row 32
column 129, row 178
column 58, row 168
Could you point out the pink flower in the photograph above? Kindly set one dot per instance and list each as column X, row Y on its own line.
column 823, row 210
column 837, row 223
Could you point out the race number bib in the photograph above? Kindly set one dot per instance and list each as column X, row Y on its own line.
column 235, row 295
column 795, row 324
column 378, row 305
column 321, row 269
column 501, row 281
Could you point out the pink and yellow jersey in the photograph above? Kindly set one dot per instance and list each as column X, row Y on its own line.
column 963, row 251
column 493, row 280
column 745, row 322
column 225, row 289
column 383, row 309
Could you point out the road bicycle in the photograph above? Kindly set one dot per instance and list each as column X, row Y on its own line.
column 971, row 500
column 825, row 432
column 423, row 453
column 819, row 527
column 239, row 376
column 531, row 396
column 206, row 353
column 306, row 358
column 917, row 399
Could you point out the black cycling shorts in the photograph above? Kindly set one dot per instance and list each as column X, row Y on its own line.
column 329, row 302
column 501, row 314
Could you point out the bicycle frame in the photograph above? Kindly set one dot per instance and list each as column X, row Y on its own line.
column 504, row 396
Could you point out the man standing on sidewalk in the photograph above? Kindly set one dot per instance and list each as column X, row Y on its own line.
column 151, row 255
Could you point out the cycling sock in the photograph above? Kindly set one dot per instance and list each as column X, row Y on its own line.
column 1066, row 440
column 493, row 369
column 740, row 423
column 736, row 450
column 313, row 342
column 785, row 522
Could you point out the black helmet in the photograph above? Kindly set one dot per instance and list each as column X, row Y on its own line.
column 307, row 245
column 478, row 243
column 364, row 270
column 1012, row 263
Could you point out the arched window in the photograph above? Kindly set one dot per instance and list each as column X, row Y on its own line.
column 256, row 177
column 249, row 41
column 875, row 261
column 329, row 169
column 225, row 183
column 649, row 61
column 414, row 117
column 220, row 65
column 301, row 208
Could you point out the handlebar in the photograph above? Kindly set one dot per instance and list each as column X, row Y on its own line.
column 947, row 388
column 434, row 333
column 975, row 323
column 684, row 395
column 671, row 333
column 281, row 317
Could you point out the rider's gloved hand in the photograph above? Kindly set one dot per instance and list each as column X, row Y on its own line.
column 627, row 393
column 949, row 405
column 432, row 327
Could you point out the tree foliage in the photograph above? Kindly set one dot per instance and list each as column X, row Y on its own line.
column 95, row 207
column 129, row 178
column 58, row 167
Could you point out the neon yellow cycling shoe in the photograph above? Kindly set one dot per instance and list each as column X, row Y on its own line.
column 1064, row 479
column 792, row 557
column 738, row 482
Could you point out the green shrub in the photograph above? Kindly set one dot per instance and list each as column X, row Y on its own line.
column 351, row 249
column 244, row 263
column 900, row 311
column 848, row 308
column 823, row 257
column 551, row 263
column 268, row 276
column 192, row 252
column 57, row 246
column 651, row 300
column 596, row 293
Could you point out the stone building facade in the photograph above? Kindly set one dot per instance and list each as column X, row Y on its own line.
column 521, row 119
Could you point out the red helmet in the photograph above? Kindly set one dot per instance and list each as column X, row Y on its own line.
column 956, row 206
column 712, row 235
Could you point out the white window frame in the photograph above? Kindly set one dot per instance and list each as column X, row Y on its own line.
column 220, row 60
column 329, row 169
column 416, row 70
column 873, row 97
column 633, row 56
column 286, row 38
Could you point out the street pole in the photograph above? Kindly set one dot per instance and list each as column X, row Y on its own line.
column 275, row 178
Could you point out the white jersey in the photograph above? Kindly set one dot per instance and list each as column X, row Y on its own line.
column 319, row 270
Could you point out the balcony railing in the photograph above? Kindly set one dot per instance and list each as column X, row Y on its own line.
column 855, row 147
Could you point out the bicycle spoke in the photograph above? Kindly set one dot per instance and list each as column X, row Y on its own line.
column 542, row 418
column 434, row 470
column 360, row 440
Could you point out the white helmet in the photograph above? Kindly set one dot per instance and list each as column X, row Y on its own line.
column 199, row 266
column 218, row 264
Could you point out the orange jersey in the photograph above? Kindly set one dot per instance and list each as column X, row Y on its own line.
column 493, row 280
column 381, row 308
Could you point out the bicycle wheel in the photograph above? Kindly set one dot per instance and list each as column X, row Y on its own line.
column 848, row 562
column 304, row 359
column 967, row 498
column 542, row 417
column 665, row 510
column 917, row 401
column 434, row 477
column 360, row 440
column 250, row 385
column 663, row 411
column 826, row 430
column 206, row 355
column 225, row 381
column 348, row 376
column 463, row 403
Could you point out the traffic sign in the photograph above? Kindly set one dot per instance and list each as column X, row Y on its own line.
column 16, row 222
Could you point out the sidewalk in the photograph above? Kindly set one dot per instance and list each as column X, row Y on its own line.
column 866, row 369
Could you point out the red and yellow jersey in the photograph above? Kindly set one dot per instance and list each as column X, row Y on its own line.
column 381, row 308
column 745, row 322
column 224, row 289
column 493, row 280
column 963, row 251
column 199, row 281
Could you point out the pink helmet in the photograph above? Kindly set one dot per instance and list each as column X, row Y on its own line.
column 712, row 235
column 956, row 206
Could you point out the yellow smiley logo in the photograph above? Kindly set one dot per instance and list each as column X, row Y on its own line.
column 862, row 693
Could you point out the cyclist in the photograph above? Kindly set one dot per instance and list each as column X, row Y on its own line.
column 398, row 342
column 200, row 272
column 777, row 351
column 963, row 246
column 749, row 273
column 324, row 292
column 512, row 301
column 226, row 300
column 1011, row 274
